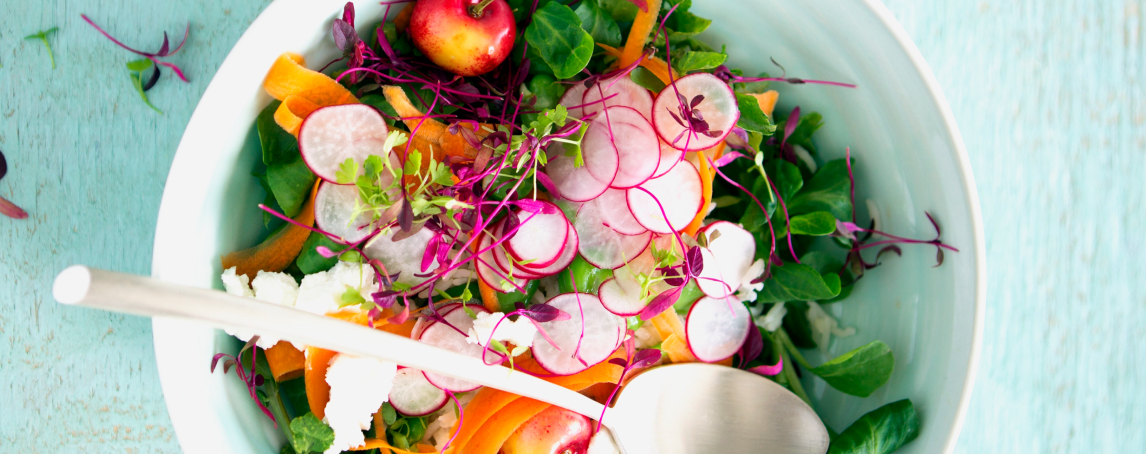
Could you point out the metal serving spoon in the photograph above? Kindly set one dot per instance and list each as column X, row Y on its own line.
column 687, row 408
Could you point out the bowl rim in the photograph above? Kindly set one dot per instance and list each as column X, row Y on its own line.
column 880, row 11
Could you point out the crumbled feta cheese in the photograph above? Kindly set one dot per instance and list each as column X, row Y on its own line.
column 747, row 290
column 519, row 333
column 602, row 443
column 773, row 319
column 321, row 293
column 824, row 326
column 358, row 387
column 236, row 284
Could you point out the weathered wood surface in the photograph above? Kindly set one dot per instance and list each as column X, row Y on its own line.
column 1049, row 95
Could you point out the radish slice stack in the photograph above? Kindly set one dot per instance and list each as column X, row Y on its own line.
column 451, row 335
column 543, row 245
column 716, row 328
column 580, row 345
column 674, row 197
column 712, row 104
column 617, row 91
column 404, row 256
column 603, row 246
column 330, row 135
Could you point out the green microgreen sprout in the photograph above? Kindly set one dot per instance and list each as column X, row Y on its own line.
column 135, row 69
column 43, row 37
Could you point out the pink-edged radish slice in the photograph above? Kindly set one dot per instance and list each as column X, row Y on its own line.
column 423, row 322
column 444, row 335
column 730, row 256
column 602, row 246
column 563, row 261
column 403, row 256
column 634, row 139
column 669, row 158
column 711, row 103
column 490, row 272
column 540, row 238
column 330, row 135
column 677, row 192
column 573, row 99
column 413, row 395
column 334, row 204
column 573, row 183
column 618, row 91
column 505, row 262
column 614, row 208
column 716, row 328
column 618, row 300
column 602, row 333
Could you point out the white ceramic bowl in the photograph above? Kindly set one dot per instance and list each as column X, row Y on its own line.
column 910, row 160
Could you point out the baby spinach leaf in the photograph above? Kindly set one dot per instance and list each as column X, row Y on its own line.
column 822, row 262
column 786, row 176
column 291, row 183
column 861, row 371
column 828, row 190
column 689, row 61
column 557, row 35
column 310, row 434
column 277, row 144
column 802, row 136
column 752, row 117
column 647, row 79
column 379, row 102
column 599, row 23
column 546, row 91
column 753, row 219
column 818, row 223
column 587, row 277
column 797, row 326
column 795, row 281
column 619, row 10
column 881, row 431
column 309, row 261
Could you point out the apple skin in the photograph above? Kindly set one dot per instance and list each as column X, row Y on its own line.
column 449, row 36
column 553, row 431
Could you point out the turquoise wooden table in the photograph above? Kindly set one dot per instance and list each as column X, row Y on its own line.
column 1049, row 95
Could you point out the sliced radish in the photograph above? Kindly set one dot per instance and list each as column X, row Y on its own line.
column 618, row 91
column 573, row 183
column 711, row 102
column 730, row 256
column 668, row 159
column 403, row 256
column 601, row 334
column 413, row 395
column 678, row 192
column 330, row 135
column 505, row 262
column 488, row 269
column 573, row 99
column 334, row 204
column 540, row 238
column 614, row 209
column 617, row 300
column 601, row 245
column 567, row 255
column 600, row 153
column 634, row 139
column 716, row 328
column 444, row 335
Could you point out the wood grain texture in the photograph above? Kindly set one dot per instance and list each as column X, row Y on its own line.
column 1049, row 96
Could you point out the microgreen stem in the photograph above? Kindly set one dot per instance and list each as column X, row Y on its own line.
column 43, row 37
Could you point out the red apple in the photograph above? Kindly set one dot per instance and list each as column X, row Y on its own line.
column 553, row 431
column 466, row 37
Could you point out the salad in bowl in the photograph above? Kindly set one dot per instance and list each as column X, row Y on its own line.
column 581, row 192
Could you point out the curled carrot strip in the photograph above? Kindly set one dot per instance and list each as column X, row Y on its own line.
column 495, row 431
column 437, row 140
column 278, row 250
column 286, row 361
column 289, row 78
column 643, row 24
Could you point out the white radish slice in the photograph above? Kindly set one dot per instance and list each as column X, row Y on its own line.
column 678, row 193
column 602, row 246
column 712, row 101
column 444, row 335
column 563, row 261
column 573, row 99
column 731, row 255
column 504, row 261
column 634, row 139
column 573, row 183
column 716, row 328
column 614, row 209
column 413, row 395
column 618, row 300
column 423, row 322
column 334, row 205
column 540, row 238
column 331, row 134
column 669, row 157
column 489, row 271
column 623, row 92
column 602, row 331
column 403, row 256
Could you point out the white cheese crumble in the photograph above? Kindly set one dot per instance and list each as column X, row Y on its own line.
column 321, row 293
column 773, row 319
column 274, row 288
column 236, row 284
column 519, row 333
column 602, row 443
column 824, row 326
column 747, row 290
column 358, row 387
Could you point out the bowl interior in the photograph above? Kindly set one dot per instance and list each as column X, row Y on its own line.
column 909, row 160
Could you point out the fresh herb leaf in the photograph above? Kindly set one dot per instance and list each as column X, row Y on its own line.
column 798, row 282
column 587, row 277
column 828, row 190
column 277, row 144
column 859, row 372
column 43, row 37
column 309, row 261
column 881, row 431
column 817, row 223
column 557, row 35
column 546, row 92
column 647, row 79
column 389, row 415
column 310, row 434
column 599, row 23
column 350, row 297
column 796, row 325
column 291, row 183
column 689, row 61
column 619, row 10
column 752, row 118
column 379, row 102
column 136, row 69
column 347, row 172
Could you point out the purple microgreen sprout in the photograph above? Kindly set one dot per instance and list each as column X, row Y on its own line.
column 640, row 360
column 164, row 49
column 42, row 36
column 724, row 73
column 249, row 377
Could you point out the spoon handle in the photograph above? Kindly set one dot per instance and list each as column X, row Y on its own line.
column 82, row 286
